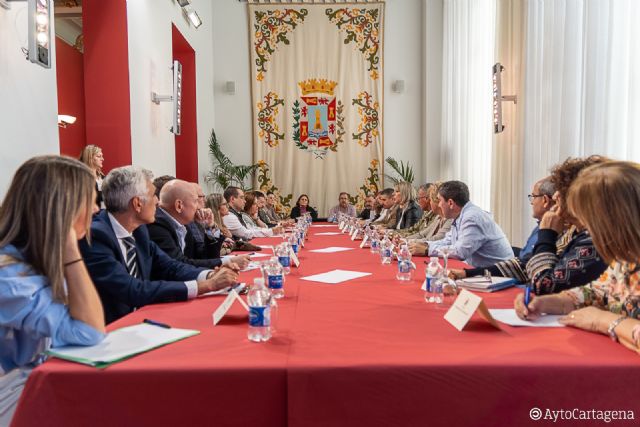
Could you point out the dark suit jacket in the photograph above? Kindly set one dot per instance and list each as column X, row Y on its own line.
column 365, row 214
column 162, row 278
column 201, row 254
column 411, row 216
column 295, row 213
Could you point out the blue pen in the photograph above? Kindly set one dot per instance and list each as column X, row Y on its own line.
column 527, row 296
column 155, row 323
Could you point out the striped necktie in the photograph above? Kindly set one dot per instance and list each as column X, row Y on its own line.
column 131, row 259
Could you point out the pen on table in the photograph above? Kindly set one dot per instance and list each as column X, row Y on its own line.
column 527, row 296
column 155, row 323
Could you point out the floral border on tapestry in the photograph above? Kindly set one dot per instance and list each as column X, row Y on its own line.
column 271, row 28
column 362, row 27
column 283, row 203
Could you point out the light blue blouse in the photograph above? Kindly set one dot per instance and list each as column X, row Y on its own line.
column 30, row 320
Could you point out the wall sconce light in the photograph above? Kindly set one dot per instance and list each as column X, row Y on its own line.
column 39, row 28
column 498, row 99
column 65, row 120
column 175, row 97
column 397, row 86
column 230, row 87
column 193, row 16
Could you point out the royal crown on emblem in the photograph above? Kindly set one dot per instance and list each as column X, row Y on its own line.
column 317, row 86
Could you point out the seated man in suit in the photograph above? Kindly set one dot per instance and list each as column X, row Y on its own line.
column 388, row 215
column 235, row 222
column 474, row 236
column 128, row 269
column 368, row 212
column 178, row 208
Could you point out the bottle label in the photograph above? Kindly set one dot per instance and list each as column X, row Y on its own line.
column 386, row 253
column 374, row 243
column 429, row 284
column 295, row 248
column 275, row 282
column 284, row 261
column 259, row 316
column 404, row 267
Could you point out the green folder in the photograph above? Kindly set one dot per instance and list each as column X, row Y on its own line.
column 122, row 344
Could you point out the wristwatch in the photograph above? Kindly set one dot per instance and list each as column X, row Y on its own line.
column 612, row 328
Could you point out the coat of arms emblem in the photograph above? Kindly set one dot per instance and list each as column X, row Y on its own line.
column 317, row 118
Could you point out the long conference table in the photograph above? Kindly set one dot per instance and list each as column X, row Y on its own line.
column 369, row 351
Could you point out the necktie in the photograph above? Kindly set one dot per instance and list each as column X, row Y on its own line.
column 131, row 259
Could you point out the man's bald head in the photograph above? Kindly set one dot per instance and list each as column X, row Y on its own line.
column 180, row 199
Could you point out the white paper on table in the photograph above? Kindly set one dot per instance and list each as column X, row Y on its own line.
column 331, row 249
column 239, row 287
column 335, row 276
column 330, row 233
column 324, row 225
column 509, row 316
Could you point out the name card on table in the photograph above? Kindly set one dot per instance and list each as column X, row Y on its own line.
column 226, row 305
column 364, row 240
column 342, row 225
column 354, row 234
column 294, row 257
column 463, row 308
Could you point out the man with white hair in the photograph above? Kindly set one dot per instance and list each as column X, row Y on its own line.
column 178, row 208
column 127, row 267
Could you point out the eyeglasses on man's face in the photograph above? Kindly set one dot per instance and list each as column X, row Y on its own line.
column 533, row 196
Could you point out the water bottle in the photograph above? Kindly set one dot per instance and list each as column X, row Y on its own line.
column 405, row 266
column 293, row 242
column 386, row 248
column 375, row 242
column 275, row 277
column 282, row 252
column 434, row 270
column 259, row 300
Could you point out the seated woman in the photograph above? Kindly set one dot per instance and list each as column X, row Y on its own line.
column 564, row 255
column 606, row 199
column 46, row 294
column 408, row 212
column 220, row 208
column 436, row 229
column 302, row 207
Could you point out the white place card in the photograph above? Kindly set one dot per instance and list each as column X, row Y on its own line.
column 294, row 257
column 463, row 308
column 342, row 225
column 335, row 276
column 331, row 249
column 354, row 234
column 364, row 241
column 226, row 305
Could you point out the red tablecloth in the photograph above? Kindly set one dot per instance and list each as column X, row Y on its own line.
column 365, row 352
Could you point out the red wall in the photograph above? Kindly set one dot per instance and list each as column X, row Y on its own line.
column 187, row 142
column 70, row 78
column 106, row 79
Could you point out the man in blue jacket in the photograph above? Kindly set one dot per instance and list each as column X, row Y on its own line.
column 128, row 269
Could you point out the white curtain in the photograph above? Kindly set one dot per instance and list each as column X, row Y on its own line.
column 582, row 84
column 467, row 129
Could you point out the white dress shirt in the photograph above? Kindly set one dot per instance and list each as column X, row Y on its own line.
column 238, row 230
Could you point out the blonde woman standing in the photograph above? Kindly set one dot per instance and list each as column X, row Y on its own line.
column 92, row 156
column 46, row 294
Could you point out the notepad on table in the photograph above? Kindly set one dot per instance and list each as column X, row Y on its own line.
column 509, row 316
column 122, row 344
column 482, row 284
column 335, row 276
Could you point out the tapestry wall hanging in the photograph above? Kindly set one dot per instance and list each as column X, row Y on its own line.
column 317, row 87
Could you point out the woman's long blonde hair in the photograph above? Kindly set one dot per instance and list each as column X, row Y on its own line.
column 45, row 196
column 86, row 157
column 407, row 192
column 213, row 202
column 606, row 199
